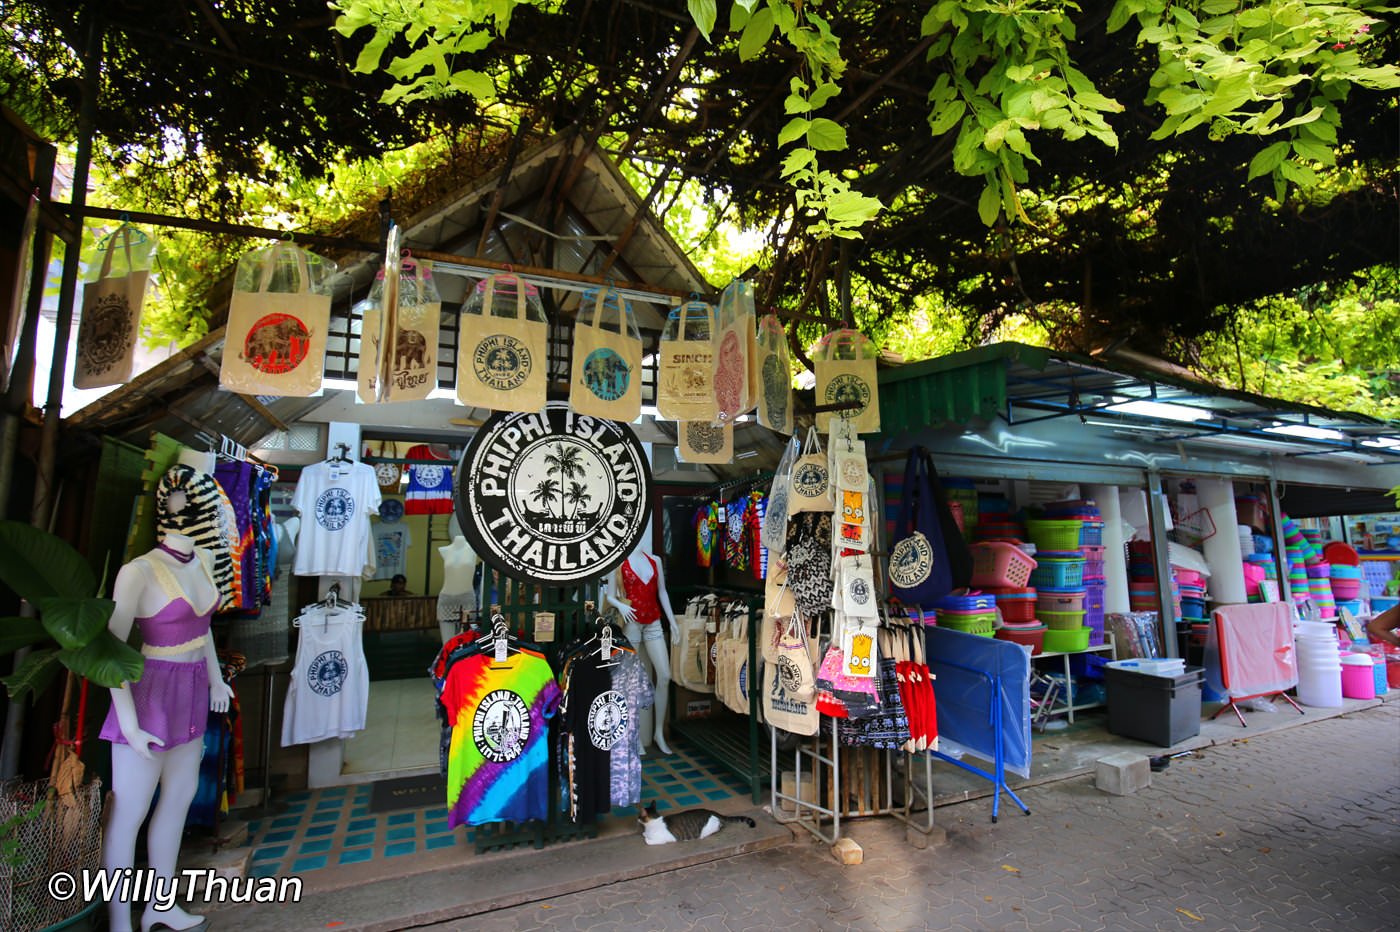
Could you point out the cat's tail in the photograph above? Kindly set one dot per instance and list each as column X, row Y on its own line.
column 740, row 818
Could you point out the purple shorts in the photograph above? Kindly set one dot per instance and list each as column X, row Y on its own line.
column 172, row 703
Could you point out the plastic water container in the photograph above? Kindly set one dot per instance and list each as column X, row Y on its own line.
column 1358, row 677
column 1319, row 665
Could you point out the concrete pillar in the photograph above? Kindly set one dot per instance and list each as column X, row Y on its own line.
column 1222, row 549
column 1115, row 561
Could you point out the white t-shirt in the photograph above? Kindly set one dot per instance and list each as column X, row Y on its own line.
column 335, row 501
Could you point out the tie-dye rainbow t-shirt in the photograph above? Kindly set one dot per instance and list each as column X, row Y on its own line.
column 498, row 761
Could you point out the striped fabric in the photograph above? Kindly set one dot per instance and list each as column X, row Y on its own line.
column 203, row 519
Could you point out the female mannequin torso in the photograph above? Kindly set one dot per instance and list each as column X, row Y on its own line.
column 458, row 596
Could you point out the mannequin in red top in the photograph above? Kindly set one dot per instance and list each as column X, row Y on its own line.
column 637, row 589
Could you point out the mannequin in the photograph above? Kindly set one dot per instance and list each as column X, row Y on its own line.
column 458, row 585
column 647, row 584
column 156, row 726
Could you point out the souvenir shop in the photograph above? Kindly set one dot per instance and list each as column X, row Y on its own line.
column 482, row 587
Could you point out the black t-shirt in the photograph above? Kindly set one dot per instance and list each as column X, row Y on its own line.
column 592, row 727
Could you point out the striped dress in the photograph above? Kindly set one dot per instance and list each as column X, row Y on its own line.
column 204, row 519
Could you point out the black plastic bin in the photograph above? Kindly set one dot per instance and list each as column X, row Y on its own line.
column 1162, row 710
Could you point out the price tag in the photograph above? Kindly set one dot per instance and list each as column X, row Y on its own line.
column 500, row 650
column 544, row 627
column 722, row 515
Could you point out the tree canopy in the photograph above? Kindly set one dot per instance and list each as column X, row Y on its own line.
column 1137, row 171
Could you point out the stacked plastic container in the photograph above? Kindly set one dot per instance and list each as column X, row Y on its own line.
column 1142, row 578
column 972, row 614
column 1319, row 664
column 1059, row 577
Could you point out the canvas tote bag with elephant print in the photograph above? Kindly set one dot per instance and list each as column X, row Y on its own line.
column 276, row 340
column 413, row 367
column 502, row 361
column 734, row 342
column 844, row 361
column 111, row 321
column 607, row 358
column 685, row 388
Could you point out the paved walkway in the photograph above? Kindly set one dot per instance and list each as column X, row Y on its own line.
column 1299, row 829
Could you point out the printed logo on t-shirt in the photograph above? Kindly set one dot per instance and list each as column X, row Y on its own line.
column 334, row 508
column 607, row 719
column 429, row 477
column 501, row 726
column 327, row 673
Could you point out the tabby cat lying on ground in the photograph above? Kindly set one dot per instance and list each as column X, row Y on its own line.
column 683, row 826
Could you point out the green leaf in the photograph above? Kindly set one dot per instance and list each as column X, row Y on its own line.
column 823, row 94
column 1219, row 7
column 1252, row 17
column 1301, row 175
column 826, row 135
column 74, row 622
column 36, row 564
column 20, row 632
column 1315, row 151
column 794, row 130
column 852, row 208
column 996, row 135
column 989, row 204
column 1098, row 101
column 35, row 674
column 797, row 159
column 106, row 661
column 1267, row 159
column 474, row 83
column 1019, row 73
column 1308, row 117
column 756, row 34
column 704, row 13
column 947, row 117
column 368, row 59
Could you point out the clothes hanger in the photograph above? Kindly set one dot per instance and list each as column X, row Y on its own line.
column 343, row 456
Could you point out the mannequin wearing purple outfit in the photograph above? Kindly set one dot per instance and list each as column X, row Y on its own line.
column 156, row 724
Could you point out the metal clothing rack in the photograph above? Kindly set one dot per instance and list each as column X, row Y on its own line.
column 811, row 814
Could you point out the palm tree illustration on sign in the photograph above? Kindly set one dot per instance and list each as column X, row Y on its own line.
column 546, row 491
column 578, row 496
column 564, row 462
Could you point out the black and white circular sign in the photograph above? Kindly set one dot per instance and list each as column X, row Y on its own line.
column 553, row 497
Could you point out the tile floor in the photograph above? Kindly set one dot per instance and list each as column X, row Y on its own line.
column 401, row 732
column 333, row 827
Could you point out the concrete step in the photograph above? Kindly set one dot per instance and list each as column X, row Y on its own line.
column 455, row 884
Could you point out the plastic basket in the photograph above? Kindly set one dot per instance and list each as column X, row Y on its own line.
column 1055, row 535
column 1067, row 641
column 1054, row 600
column 1017, row 609
column 1033, row 637
column 979, row 624
column 1093, row 561
column 1060, row 621
column 1091, row 534
column 999, row 564
column 1058, row 573
column 967, row 603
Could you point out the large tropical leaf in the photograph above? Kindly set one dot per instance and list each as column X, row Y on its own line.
column 34, row 675
column 106, row 661
column 74, row 622
column 20, row 632
column 36, row 564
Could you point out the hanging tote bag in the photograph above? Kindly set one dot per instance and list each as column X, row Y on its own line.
column 607, row 358
column 685, row 387
column 844, row 361
column 275, row 341
column 775, row 516
column 733, row 342
column 690, row 651
column 111, row 321
column 502, row 358
column 774, row 374
column 920, row 573
column 789, row 684
column 810, row 486
column 414, row 347
column 705, row 442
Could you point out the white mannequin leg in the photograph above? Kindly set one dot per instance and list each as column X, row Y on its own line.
column 658, row 651
column 134, row 782
column 448, row 630
column 178, row 781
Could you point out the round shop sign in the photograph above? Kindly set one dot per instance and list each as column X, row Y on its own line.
column 554, row 497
